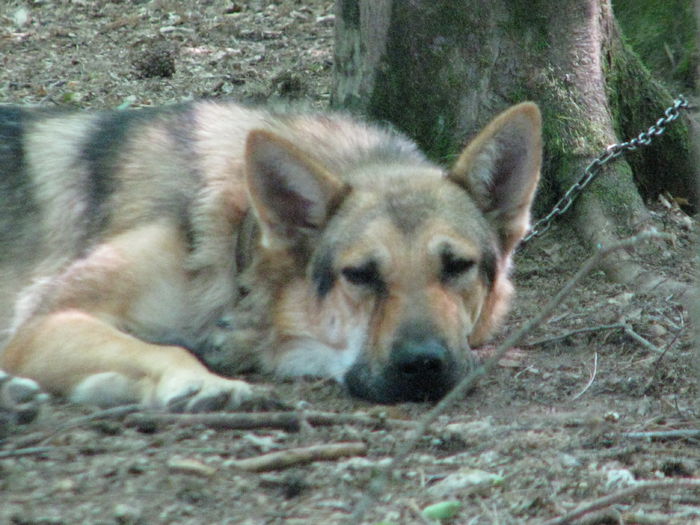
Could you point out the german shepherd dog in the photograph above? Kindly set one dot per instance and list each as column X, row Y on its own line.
column 147, row 256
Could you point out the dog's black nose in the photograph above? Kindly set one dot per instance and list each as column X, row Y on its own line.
column 417, row 359
column 420, row 368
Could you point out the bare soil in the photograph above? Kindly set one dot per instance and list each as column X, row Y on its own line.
column 551, row 429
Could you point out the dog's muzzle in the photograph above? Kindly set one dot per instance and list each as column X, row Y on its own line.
column 420, row 368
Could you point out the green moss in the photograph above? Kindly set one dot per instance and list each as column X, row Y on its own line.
column 637, row 100
column 528, row 23
column 663, row 33
column 571, row 140
column 422, row 69
column 568, row 131
column 350, row 12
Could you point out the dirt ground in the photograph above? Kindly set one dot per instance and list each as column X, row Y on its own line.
column 555, row 426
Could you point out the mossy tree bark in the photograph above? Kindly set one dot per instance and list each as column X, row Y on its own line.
column 439, row 70
column 695, row 135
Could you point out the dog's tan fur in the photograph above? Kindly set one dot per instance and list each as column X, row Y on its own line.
column 303, row 244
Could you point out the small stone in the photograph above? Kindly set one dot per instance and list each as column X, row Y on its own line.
column 126, row 514
column 467, row 479
column 618, row 478
column 657, row 330
column 190, row 466
column 64, row 485
column 621, row 299
column 325, row 20
column 611, row 417
column 569, row 461
column 472, row 429
column 21, row 17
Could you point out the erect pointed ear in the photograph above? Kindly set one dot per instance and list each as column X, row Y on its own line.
column 500, row 169
column 291, row 194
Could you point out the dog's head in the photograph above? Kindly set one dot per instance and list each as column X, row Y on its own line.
column 399, row 267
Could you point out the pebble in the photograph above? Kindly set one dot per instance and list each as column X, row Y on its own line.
column 125, row 514
column 656, row 330
column 468, row 479
column 190, row 466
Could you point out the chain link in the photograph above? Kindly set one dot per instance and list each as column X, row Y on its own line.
column 611, row 153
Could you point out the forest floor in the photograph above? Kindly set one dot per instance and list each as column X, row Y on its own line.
column 555, row 426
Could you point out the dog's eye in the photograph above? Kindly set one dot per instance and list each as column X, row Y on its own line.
column 366, row 275
column 454, row 266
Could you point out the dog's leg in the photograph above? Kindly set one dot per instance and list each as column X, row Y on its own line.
column 80, row 338
column 74, row 354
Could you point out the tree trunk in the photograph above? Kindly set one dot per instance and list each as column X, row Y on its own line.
column 695, row 135
column 439, row 70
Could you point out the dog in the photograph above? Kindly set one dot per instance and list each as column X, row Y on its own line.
column 150, row 255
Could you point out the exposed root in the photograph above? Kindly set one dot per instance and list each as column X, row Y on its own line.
column 596, row 230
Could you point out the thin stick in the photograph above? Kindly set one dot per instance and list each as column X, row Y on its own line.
column 289, row 421
column 468, row 382
column 665, row 434
column 646, row 344
column 556, row 338
column 618, row 326
column 28, row 451
column 622, row 495
column 108, row 413
column 592, row 378
column 296, row 456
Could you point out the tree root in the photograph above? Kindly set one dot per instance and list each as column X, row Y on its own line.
column 596, row 229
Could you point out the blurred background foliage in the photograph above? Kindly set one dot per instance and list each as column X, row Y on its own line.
column 663, row 33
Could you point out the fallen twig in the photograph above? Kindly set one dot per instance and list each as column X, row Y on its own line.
column 296, row 456
column 469, row 381
column 28, row 451
column 665, row 434
column 557, row 338
column 91, row 450
column 646, row 344
column 592, row 378
column 617, row 326
column 289, row 421
column 616, row 497
column 107, row 413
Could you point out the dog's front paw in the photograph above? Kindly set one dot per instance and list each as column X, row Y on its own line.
column 20, row 399
column 201, row 393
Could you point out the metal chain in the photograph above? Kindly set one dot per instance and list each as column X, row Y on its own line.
column 611, row 153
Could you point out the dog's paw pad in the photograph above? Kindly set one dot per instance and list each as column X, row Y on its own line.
column 20, row 399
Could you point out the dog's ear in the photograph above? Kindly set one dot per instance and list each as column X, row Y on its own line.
column 291, row 194
column 500, row 169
